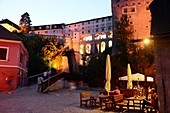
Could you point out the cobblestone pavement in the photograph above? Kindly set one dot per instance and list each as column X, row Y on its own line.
column 27, row 100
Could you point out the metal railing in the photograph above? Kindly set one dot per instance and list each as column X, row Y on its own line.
column 50, row 81
column 33, row 79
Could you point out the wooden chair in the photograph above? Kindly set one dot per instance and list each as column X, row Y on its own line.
column 86, row 97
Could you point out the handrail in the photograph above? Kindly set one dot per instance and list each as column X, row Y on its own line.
column 52, row 77
column 50, row 81
column 33, row 79
column 35, row 75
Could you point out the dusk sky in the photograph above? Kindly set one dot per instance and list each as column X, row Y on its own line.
column 44, row 12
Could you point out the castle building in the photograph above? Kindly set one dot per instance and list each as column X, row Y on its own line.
column 95, row 35
column 85, row 37
column 139, row 15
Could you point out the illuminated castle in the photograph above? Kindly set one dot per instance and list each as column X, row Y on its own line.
column 94, row 35
column 85, row 37
column 138, row 13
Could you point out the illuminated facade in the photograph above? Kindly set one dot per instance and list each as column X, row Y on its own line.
column 138, row 13
column 85, row 37
column 9, row 25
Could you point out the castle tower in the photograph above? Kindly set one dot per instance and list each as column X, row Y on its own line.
column 138, row 13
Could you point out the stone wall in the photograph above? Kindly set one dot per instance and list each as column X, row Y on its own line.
column 162, row 55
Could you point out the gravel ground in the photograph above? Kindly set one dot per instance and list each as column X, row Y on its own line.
column 27, row 100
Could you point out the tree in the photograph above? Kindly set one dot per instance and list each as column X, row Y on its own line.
column 53, row 52
column 25, row 23
column 123, row 33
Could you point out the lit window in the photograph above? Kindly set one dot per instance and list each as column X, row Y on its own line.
column 110, row 43
column 81, row 49
column 3, row 53
column 88, row 48
column 103, row 46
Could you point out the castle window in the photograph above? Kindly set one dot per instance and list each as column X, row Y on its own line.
column 46, row 31
column 139, row 3
column 75, row 25
column 96, row 25
column 102, row 29
column 147, row 7
column 88, row 22
column 47, row 27
column 88, row 31
column 82, row 32
column 133, row 9
column 125, row 10
column 96, row 21
column 117, row 5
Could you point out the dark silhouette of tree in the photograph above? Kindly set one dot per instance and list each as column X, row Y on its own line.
column 25, row 23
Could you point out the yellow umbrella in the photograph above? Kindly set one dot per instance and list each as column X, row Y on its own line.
column 108, row 73
column 129, row 74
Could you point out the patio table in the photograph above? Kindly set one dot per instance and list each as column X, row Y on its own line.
column 135, row 102
column 103, row 99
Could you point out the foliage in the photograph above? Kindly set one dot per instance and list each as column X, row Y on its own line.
column 53, row 52
column 34, row 45
column 139, row 57
column 123, row 33
column 25, row 23
column 96, row 70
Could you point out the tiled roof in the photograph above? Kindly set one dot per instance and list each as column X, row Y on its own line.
column 5, row 34
column 47, row 27
column 10, row 23
column 90, row 20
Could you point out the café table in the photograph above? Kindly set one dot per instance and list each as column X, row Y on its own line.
column 135, row 102
column 103, row 99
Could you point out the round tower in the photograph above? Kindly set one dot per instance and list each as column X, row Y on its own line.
column 138, row 13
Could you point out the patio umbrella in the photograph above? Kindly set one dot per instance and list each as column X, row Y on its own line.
column 108, row 73
column 129, row 74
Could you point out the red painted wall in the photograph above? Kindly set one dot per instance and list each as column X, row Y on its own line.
column 12, row 69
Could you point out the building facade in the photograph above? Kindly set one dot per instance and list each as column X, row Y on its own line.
column 84, row 37
column 138, row 13
column 95, row 35
column 13, row 60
